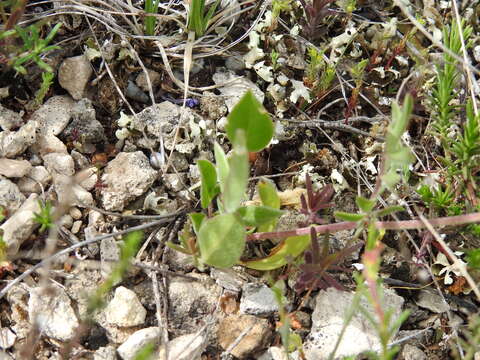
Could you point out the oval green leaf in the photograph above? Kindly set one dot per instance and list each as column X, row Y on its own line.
column 221, row 241
column 258, row 215
column 348, row 216
column 250, row 116
column 279, row 256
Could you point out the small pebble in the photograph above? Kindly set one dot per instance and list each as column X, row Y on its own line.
column 76, row 226
column 75, row 213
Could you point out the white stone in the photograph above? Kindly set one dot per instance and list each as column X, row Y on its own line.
column 7, row 338
column 278, row 353
column 54, row 115
column 51, row 310
column 14, row 168
column 13, row 143
column 73, row 75
column 105, row 353
column 137, row 341
column 410, row 352
column 70, row 193
column 258, row 300
column 10, row 196
column 59, row 163
column 9, row 119
column 328, row 319
column 46, row 144
column 33, row 182
column 125, row 309
column 185, row 347
column 126, row 177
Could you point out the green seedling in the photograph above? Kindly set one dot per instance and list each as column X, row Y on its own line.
column 199, row 18
column 44, row 217
column 151, row 7
column 47, row 81
column 33, row 47
column 279, row 6
column 319, row 73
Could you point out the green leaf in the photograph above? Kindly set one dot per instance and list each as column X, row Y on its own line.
column 237, row 179
column 389, row 210
column 473, row 258
column 364, row 204
column 208, row 178
column 348, row 216
column 258, row 215
column 197, row 220
column 221, row 241
column 268, row 194
column 250, row 116
column 281, row 254
column 222, row 165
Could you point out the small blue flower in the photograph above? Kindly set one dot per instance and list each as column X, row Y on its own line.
column 192, row 102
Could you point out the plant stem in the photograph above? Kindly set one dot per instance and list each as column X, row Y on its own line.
column 387, row 225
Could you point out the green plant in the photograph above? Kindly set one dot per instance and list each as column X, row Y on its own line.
column 444, row 90
column 44, row 217
column 279, row 6
column 47, row 81
column 319, row 73
column 220, row 239
column 274, row 59
column 151, row 7
column 199, row 18
column 33, row 47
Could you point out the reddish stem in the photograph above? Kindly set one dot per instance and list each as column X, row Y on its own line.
column 387, row 225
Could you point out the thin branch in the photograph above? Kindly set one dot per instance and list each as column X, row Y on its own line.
column 387, row 225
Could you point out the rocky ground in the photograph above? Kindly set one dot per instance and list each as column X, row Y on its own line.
column 98, row 150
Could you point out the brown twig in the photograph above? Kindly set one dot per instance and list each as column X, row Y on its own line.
column 387, row 225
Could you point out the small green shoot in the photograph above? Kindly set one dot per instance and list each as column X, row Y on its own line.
column 44, row 218
column 151, row 7
column 33, row 47
column 47, row 81
column 199, row 18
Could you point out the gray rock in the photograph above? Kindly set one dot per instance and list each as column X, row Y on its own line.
column 14, row 168
column 84, row 128
column 9, row 119
column 126, row 177
column 13, row 143
column 59, row 163
column 327, row 323
column 228, row 279
column 125, row 309
column 234, row 87
column 258, row 300
column 257, row 334
column 138, row 340
column 178, row 261
column 191, row 302
column 142, row 83
column 73, row 75
column 135, row 93
column 105, row 353
column 17, row 298
column 185, row 347
column 158, row 119
column 54, row 115
column 235, row 63
column 51, row 310
column 410, row 352
column 10, row 196
column 432, row 301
